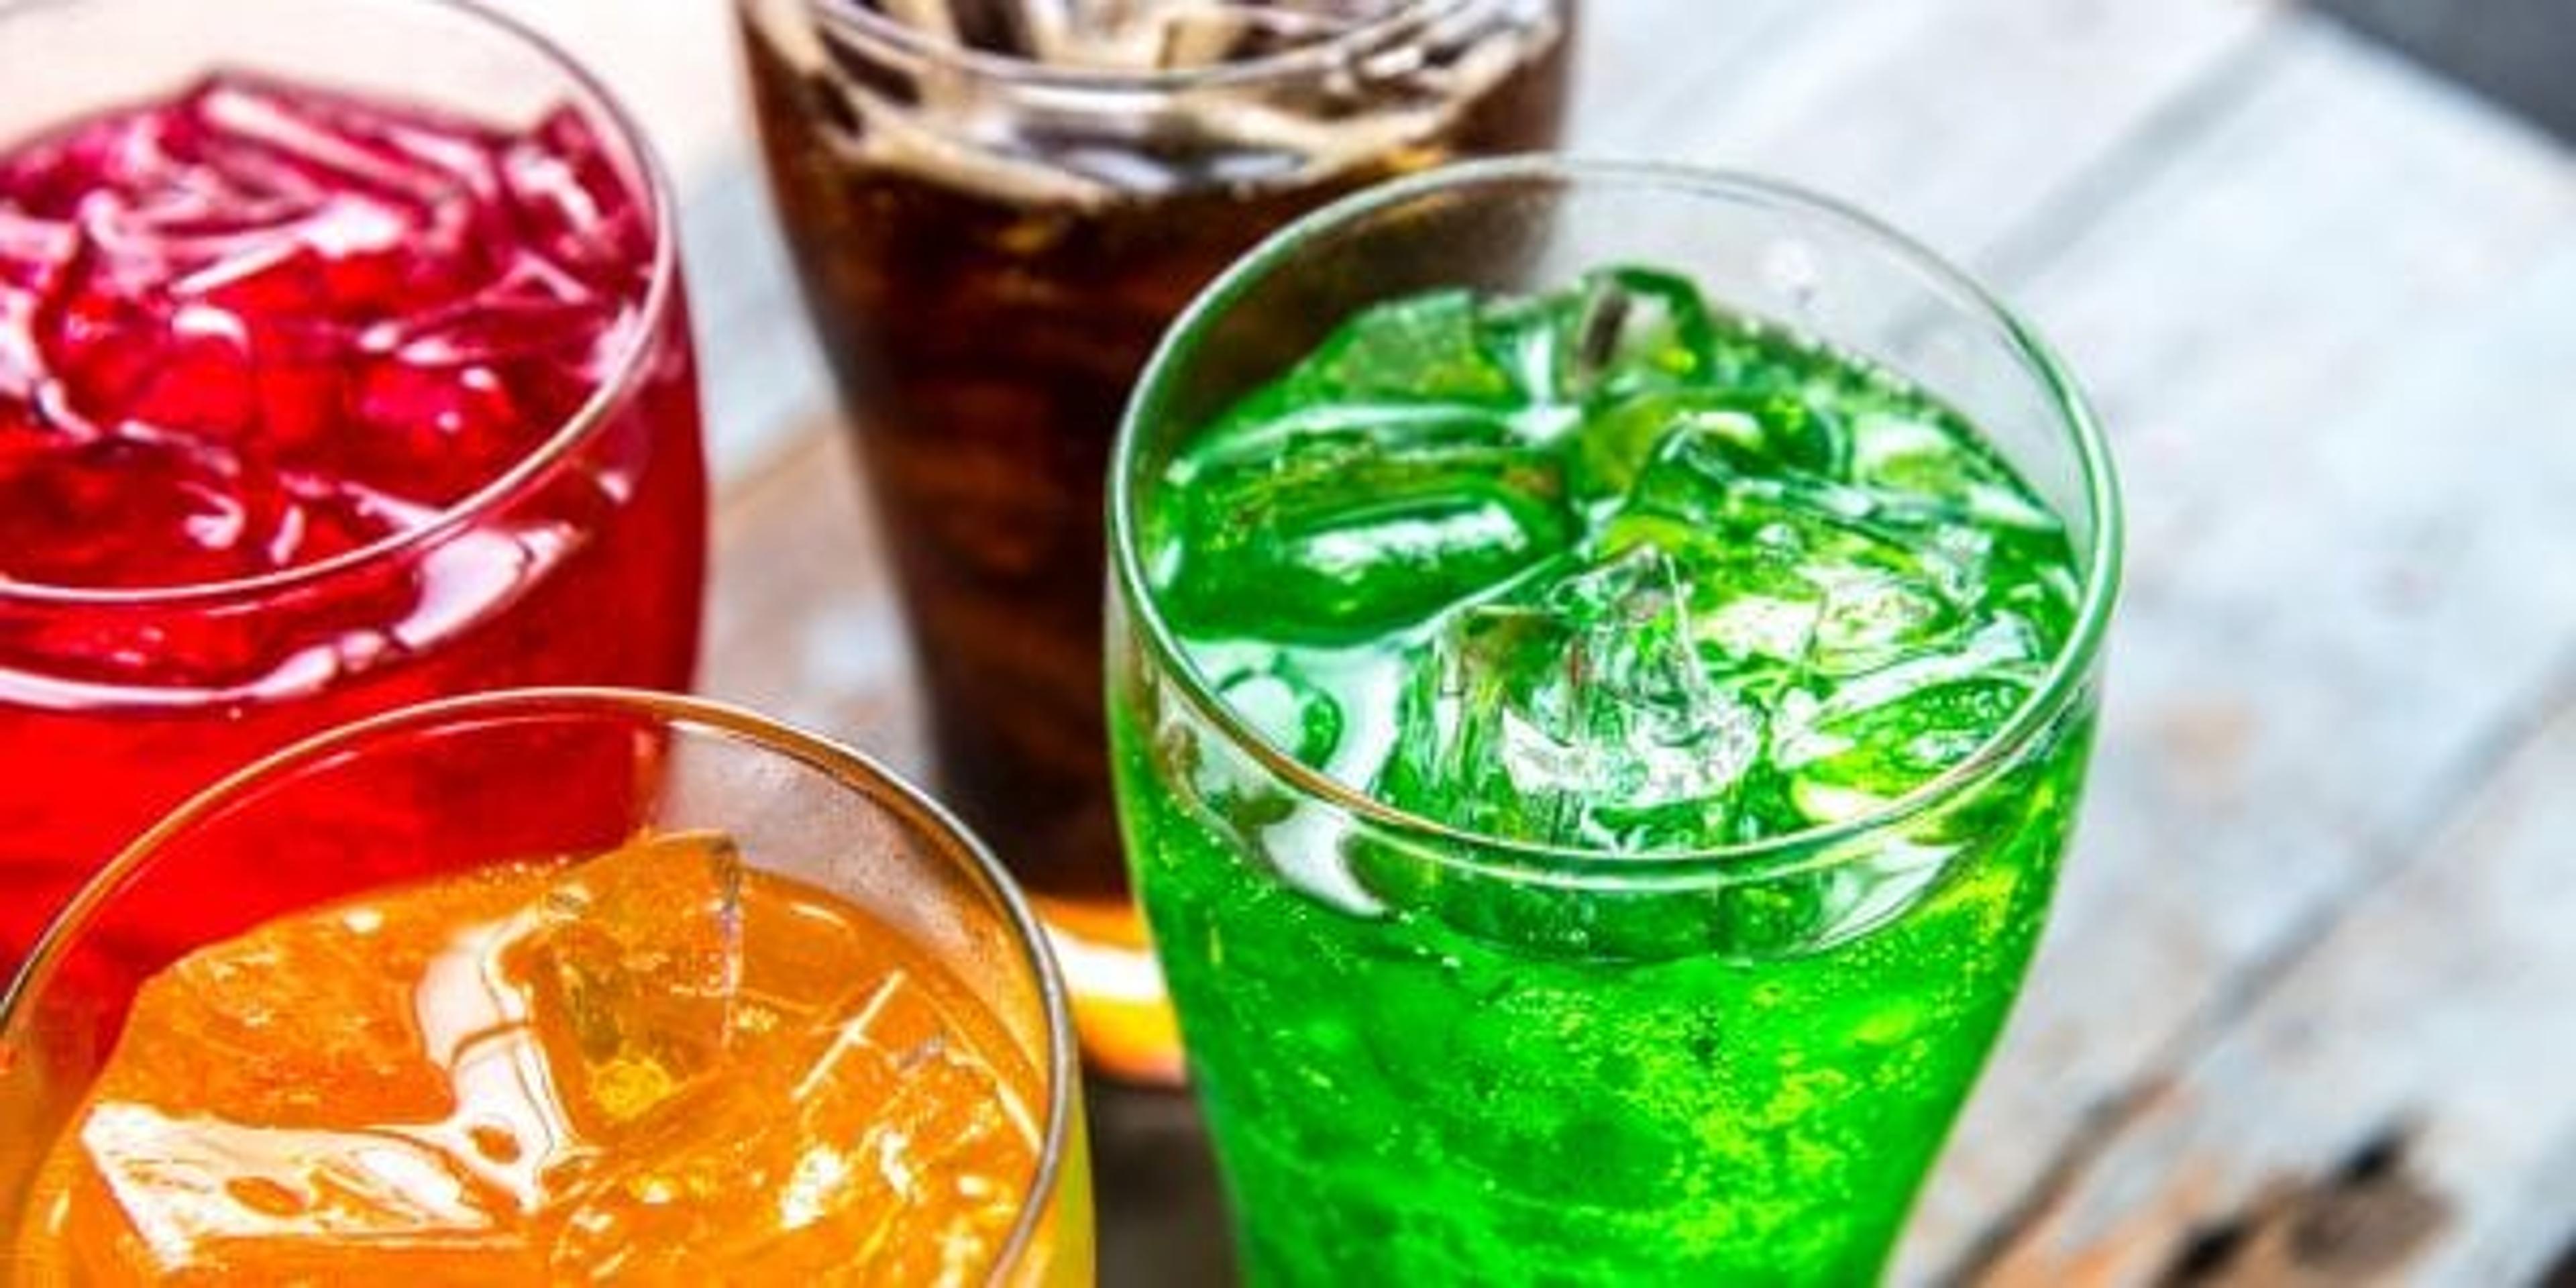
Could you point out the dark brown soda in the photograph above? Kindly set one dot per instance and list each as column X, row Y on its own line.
column 986, row 347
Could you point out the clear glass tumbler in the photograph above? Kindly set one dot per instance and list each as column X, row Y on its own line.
column 996, row 207
column 1432, row 1056
column 579, row 560
column 498, row 779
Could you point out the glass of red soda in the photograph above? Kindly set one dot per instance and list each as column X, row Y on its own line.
column 344, row 363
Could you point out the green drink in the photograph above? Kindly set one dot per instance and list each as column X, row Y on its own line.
column 1596, row 763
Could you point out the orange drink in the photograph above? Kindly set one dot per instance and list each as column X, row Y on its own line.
column 729, row 1048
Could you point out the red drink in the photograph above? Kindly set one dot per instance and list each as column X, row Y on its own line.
column 314, row 404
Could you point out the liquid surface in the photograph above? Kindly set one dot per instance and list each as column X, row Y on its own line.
column 259, row 324
column 654, row 1066
column 1609, row 571
column 1321, row 92
column 1628, row 576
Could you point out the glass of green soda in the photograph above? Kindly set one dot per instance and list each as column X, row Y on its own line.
column 1603, row 667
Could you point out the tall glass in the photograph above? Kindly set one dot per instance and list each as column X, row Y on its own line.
column 497, row 779
column 582, row 562
column 1429, row 1056
column 995, row 211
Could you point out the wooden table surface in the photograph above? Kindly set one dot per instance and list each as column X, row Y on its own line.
column 2307, row 1009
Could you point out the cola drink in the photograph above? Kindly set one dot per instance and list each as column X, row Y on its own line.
column 995, row 211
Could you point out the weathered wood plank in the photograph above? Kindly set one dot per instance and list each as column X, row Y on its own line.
column 1963, row 122
column 672, row 62
column 2396, row 1109
column 1640, row 63
column 760, row 369
column 802, row 621
column 2346, row 582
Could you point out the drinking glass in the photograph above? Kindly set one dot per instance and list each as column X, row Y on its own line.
column 1429, row 1056
column 497, row 779
column 995, row 207
column 581, row 563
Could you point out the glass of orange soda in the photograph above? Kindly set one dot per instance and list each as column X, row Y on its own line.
column 539, row 986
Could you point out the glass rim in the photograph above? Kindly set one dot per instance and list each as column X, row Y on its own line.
column 890, row 34
column 913, row 809
column 617, row 383
column 2071, row 666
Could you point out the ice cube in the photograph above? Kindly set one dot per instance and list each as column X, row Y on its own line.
column 1797, row 567
column 1289, row 710
column 1325, row 537
column 1586, row 718
column 56, row 177
column 33, row 256
column 251, row 1030
column 435, row 432
column 1874, row 612
column 1875, row 735
column 573, row 205
column 196, row 1187
column 1763, row 434
column 1621, row 332
column 1430, row 347
column 294, row 138
column 635, row 970
column 203, row 384
column 266, row 282
column 891, row 1149
column 33, row 251
column 97, row 342
column 179, row 510
column 500, row 325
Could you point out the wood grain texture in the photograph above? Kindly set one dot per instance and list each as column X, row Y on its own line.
column 2434, row 1017
column 1964, row 122
column 761, row 370
column 670, row 61
column 802, row 622
column 2349, row 567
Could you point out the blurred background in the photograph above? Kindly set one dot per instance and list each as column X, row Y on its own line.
column 2307, row 1013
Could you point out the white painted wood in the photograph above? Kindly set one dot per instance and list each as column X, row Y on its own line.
column 672, row 62
column 760, row 369
column 2441, row 1005
column 803, row 623
column 2352, row 562
column 1959, row 121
